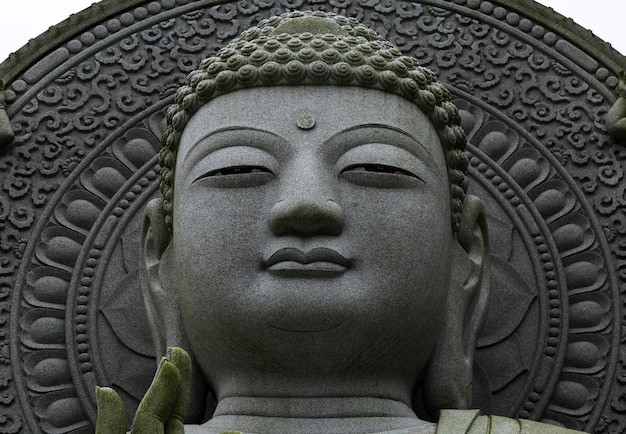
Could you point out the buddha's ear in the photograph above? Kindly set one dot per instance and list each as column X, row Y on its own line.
column 448, row 378
column 160, row 297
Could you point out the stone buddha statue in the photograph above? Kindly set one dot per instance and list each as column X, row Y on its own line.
column 314, row 251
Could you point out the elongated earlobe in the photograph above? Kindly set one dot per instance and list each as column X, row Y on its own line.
column 160, row 300
column 448, row 378
column 160, row 296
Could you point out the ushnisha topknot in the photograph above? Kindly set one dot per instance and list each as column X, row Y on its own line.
column 316, row 48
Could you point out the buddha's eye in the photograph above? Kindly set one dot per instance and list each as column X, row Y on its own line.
column 237, row 176
column 237, row 170
column 378, row 168
column 380, row 175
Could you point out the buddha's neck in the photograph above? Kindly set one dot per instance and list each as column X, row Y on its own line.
column 315, row 415
column 313, row 407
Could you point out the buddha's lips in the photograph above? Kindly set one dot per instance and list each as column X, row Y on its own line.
column 318, row 254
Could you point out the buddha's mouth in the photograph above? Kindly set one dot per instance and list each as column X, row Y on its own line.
column 318, row 262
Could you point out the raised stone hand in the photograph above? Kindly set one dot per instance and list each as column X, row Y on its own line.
column 162, row 408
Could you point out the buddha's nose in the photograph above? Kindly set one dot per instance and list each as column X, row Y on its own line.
column 306, row 216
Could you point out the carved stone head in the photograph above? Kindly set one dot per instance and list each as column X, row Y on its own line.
column 314, row 236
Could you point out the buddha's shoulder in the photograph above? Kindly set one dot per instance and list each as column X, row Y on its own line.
column 451, row 422
column 472, row 422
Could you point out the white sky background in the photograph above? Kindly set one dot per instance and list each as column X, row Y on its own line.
column 26, row 19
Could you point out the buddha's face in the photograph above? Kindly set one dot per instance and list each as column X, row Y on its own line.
column 311, row 235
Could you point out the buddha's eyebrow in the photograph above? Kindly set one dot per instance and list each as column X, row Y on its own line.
column 195, row 151
column 375, row 126
column 385, row 127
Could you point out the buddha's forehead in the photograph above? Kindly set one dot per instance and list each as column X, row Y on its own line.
column 287, row 111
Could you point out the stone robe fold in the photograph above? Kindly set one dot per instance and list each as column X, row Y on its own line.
column 472, row 422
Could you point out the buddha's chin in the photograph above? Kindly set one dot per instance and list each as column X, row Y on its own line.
column 296, row 309
column 298, row 325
